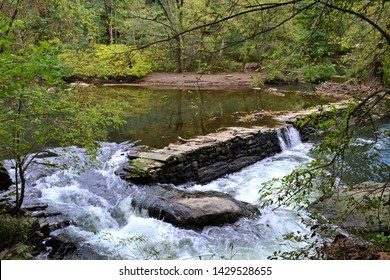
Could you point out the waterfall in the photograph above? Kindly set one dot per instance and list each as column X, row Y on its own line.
column 289, row 138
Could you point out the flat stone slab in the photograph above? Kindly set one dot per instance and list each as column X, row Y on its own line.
column 155, row 156
column 179, row 148
column 291, row 117
column 201, row 206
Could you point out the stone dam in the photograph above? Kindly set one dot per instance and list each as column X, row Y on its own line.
column 200, row 159
column 205, row 158
column 154, row 172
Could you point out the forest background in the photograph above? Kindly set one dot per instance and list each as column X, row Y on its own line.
column 305, row 40
column 46, row 42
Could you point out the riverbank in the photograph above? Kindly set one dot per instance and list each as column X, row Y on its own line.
column 183, row 81
column 221, row 81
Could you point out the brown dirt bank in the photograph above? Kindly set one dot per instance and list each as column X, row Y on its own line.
column 193, row 80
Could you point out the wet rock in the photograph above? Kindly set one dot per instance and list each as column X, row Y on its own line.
column 35, row 207
column 60, row 246
column 5, row 179
column 41, row 238
column 46, row 154
column 84, row 252
column 190, row 210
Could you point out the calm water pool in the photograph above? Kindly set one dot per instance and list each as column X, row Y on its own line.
column 157, row 117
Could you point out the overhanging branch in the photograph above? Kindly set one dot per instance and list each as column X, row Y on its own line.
column 268, row 29
column 261, row 8
column 359, row 15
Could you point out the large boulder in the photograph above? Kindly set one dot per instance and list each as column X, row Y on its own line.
column 5, row 179
column 365, row 207
column 190, row 209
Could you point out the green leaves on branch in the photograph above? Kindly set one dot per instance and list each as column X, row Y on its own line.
column 318, row 72
column 339, row 129
column 298, row 189
column 35, row 111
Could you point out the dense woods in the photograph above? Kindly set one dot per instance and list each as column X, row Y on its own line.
column 46, row 43
column 305, row 40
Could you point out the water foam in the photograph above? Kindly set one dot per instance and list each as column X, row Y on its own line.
column 104, row 221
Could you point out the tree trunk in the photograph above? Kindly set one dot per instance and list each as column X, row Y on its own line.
column 19, row 203
column 222, row 47
column 109, row 8
column 19, row 173
column 178, row 55
column 110, row 31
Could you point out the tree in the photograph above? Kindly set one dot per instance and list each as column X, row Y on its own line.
column 166, row 16
column 35, row 112
column 366, row 17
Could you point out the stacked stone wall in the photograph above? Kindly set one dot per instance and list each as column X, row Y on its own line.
column 204, row 158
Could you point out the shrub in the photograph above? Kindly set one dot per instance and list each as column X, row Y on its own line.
column 317, row 73
column 106, row 61
column 13, row 230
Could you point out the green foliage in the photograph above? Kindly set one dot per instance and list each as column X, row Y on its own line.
column 32, row 115
column 319, row 177
column 142, row 248
column 25, row 104
column 85, row 119
column 318, row 72
column 325, row 177
column 106, row 61
column 13, row 230
column 281, row 38
column 381, row 239
column 298, row 189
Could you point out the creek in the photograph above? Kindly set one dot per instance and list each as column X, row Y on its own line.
column 104, row 225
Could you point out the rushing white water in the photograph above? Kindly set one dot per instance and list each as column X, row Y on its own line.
column 105, row 225
column 289, row 138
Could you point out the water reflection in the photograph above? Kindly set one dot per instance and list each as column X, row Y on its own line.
column 158, row 117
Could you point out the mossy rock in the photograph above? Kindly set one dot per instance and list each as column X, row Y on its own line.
column 141, row 168
column 361, row 208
